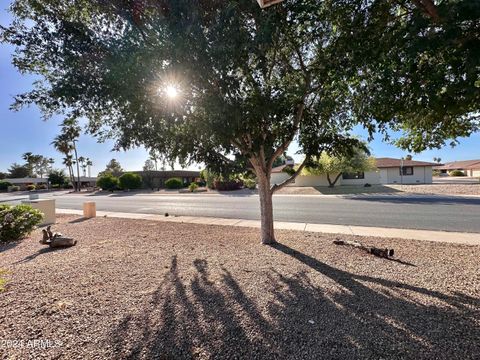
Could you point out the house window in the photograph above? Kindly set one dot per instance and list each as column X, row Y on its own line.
column 406, row 170
column 356, row 175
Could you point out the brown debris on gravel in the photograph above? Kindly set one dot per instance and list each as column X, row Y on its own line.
column 143, row 289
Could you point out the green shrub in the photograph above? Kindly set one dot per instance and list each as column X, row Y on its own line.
column 130, row 181
column 14, row 188
column 227, row 185
column 41, row 187
column 31, row 187
column 456, row 173
column 107, row 182
column 174, row 183
column 250, row 184
column 4, row 185
column 192, row 187
column 17, row 221
column 289, row 170
column 57, row 177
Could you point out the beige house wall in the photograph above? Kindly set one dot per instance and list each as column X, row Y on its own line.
column 475, row 173
column 421, row 175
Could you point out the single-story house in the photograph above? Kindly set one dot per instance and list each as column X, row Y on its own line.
column 24, row 182
column 468, row 167
column 156, row 179
column 389, row 171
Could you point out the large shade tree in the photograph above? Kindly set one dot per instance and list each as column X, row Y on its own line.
column 208, row 81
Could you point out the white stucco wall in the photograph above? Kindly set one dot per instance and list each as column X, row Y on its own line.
column 314, row 180
column 277, row 178
column 475, row 173
column 311, row 180
column 371, row 177
column 428, row 174
column 421, row 175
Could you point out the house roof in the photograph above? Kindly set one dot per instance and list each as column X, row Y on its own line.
column 386, row 162
column 171, row 173
column 459, row 165
column 29, row 180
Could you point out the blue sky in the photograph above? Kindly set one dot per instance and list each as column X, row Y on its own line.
column 25, row 131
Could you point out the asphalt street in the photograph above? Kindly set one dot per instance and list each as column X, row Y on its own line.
column 430, row 212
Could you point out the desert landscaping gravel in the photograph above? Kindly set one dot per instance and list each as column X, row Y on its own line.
column 137, row 289
column 426, row 189
column 440, row 189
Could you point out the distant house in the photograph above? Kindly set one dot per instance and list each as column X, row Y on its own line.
column 468, row 167
column 389, row 171
column 24, row 182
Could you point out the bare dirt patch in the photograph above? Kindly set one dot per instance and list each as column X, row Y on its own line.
column 144, row 289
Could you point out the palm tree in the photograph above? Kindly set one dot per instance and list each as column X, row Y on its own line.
column 89, row 163
column 28, row 157
column 70, row 132
column 63, row 145
column 83, row 165
column 68, row 162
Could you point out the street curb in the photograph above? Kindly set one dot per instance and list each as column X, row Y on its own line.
column 410, row 234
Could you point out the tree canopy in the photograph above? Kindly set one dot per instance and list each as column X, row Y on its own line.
column 207, row 81
column 18, row 171
column 359, row 161
column 113, row 167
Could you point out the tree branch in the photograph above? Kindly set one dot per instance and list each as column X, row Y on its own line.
column 429, row 8
column 282, row 148
column 284, row 183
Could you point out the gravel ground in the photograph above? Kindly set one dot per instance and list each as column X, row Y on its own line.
column 142, row 289
column 337, row 190
column 441, row 189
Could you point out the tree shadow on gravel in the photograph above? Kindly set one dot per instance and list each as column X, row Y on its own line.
column 212, row 314
column 42, row 251
column 8, row 246
column 79, row 220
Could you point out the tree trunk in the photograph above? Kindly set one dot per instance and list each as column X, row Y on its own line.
column 332, row 183
column 266, row 209
column 72, row 175
column 77, row 187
